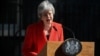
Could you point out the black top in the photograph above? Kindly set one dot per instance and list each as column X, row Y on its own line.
column 47, row 37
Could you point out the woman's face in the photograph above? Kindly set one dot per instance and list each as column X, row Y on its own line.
column 47, row 17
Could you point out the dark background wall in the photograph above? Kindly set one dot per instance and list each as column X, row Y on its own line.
column 81, row 16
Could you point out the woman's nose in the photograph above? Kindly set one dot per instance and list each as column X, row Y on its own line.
column 48, row 15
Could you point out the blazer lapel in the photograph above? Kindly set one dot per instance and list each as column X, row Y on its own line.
column 42, row 35
column 53, row 35
column 41, row 39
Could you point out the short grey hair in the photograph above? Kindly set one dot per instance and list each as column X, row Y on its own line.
column 45, row 5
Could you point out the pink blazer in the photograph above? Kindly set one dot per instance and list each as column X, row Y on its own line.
column 35, row 39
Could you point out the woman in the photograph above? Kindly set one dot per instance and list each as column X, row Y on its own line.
column 45, row 30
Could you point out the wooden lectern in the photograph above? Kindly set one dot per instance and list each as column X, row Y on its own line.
column 54, row 49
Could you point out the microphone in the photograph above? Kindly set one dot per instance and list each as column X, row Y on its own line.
column 66, row 28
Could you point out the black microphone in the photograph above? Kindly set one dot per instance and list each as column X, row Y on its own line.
column 66, row 28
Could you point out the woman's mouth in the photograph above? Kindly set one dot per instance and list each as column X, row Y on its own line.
column 48, row 20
